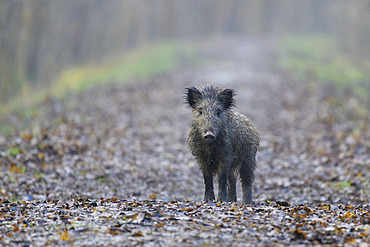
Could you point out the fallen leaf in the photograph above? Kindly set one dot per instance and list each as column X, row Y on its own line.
column 15, row 169
column 41, row 156
column 15, row 228
column 159, row 224
column 15, row 151
column 27, row 137
column 137, row 234
column 283, row 203
column 64, row 236
column 349, row 215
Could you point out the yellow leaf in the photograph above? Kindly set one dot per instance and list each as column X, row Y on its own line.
column 15, row 169
column 134, row 217
column 351, row 241
column 41, row 156
column 349, row 215
column 153, row 197
column 27, row 137
column 137, row 234
column 64, row 236
column 159, row 224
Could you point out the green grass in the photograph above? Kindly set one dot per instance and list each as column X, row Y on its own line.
column 14, row 151
column 134, row 65
column 6, row 129
column 318, row 59
column 343, row 184
column 138, row 64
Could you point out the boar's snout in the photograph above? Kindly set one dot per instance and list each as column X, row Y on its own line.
column 209, row 136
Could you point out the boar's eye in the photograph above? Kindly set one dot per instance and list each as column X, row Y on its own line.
column 218, row 113
column 200, row 111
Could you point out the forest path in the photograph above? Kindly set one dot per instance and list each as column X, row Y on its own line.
column 129, row 142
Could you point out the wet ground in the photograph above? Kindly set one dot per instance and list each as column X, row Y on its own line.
column 127, row 143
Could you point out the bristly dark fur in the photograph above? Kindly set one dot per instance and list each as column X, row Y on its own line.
column 227, row 98
column 222, row 141
column 192, row 95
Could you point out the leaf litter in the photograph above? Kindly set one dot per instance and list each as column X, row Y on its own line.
column 110, row 166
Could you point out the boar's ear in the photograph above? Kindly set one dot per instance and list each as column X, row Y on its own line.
column 227, row 98
column 192, row 96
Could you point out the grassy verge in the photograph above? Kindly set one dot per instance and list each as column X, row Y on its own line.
column 137, row 64
column 318, row 59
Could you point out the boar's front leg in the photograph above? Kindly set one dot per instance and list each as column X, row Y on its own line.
column 224, row 169
column 223, row 176
column 209, row 194
column 222, row 187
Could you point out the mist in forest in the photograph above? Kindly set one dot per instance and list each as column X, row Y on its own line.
column 39, row 39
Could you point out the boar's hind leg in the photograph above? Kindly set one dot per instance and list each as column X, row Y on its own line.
column 246, row 177
column 247, row 193
column 231, row 189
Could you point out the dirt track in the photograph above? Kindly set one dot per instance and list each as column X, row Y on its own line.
column 129, row 142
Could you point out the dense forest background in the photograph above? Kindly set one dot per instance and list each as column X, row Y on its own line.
column 39, row 38
column 93, row 125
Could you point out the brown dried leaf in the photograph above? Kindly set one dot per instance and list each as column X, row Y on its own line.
column 137, row 234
